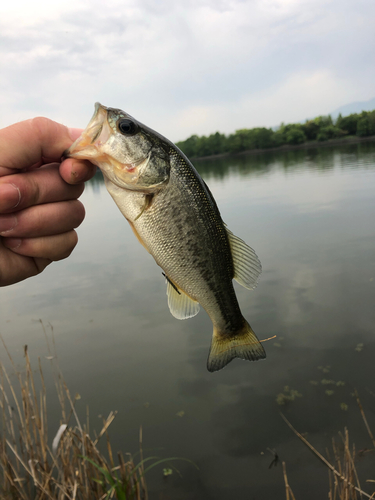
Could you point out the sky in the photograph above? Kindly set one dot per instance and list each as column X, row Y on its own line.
column 185, row 67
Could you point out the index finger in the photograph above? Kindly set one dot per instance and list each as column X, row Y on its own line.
column 33, row 143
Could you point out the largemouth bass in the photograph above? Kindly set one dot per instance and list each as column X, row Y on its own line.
column 175, row 217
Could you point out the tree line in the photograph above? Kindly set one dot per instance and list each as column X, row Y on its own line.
column 321, row 128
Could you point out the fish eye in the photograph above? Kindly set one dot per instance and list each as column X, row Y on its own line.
column 127, row 127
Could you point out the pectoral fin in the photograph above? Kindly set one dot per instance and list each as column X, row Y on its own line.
column 147, row 204
column 247, row 266
column 180, row 305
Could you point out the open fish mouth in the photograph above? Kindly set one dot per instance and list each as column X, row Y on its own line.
column 97, row 133
column 94, row 145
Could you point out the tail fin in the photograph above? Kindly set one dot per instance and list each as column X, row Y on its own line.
column 244, row 344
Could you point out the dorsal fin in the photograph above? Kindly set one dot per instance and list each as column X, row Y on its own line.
column 247, row 266
column 180, row 305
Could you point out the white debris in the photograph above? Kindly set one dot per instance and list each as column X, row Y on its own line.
column 57, row 438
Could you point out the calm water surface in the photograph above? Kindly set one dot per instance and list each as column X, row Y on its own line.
column 310, row 216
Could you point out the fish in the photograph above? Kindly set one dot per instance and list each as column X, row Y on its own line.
column 175, row 217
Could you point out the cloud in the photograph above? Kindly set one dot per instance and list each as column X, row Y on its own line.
column 212, row 65
column 300, row 96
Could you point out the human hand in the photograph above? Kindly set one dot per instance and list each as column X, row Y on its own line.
column 39, row 206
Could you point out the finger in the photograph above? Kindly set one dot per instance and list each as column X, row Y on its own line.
column 17, row 267
column 54, row 247
column 33, row 142
column 76, row 171
column 43, row 220
column 43, row 185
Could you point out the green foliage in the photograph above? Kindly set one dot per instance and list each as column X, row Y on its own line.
column 189, row 147
column 264, row 138
column 366, row 124
column 320, row 128
column 118, row 484
column 279, row 138
column 329, row 132
column 215, row 143
column 311, row 130
column 323, row 121
column 348, row 124
column 295, row 135
column 241, row 140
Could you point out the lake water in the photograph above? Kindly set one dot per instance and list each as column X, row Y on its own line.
column 310, row 216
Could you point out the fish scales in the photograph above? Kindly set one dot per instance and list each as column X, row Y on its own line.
column 174, row 216
column 186, row 236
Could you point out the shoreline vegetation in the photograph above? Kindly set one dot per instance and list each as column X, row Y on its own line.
column 318, row 132
column 73, row 467
column 344, row 483
column 78, row 463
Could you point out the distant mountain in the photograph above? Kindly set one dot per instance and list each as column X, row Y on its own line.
column 354, row 107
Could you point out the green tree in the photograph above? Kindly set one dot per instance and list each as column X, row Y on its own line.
column 234, row 143
column 242, row 140
column 189, row 146
column 264, row 138
column 320, row 128
column 323, row 121
column 311, row 130
column 330, row 132
column 279, row 138
column 215, row 143
column 366, row 124
column 295, row 135
column 203, row 146
column 348, row 123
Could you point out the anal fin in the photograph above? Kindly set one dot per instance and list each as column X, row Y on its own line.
column 180, row 305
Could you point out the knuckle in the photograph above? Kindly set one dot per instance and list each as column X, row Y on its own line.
column 41, row 124
column 32, row 191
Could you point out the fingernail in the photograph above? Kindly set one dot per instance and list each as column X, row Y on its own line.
column 12, row 243
column 10, row 196
column 7, row 223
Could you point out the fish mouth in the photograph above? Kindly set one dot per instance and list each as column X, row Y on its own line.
column 93, row 145
column 89, row 146
column 95, row 135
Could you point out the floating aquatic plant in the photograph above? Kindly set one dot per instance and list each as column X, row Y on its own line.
column 287, row 396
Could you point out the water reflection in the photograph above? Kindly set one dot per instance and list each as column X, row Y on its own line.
column 352, row 156
column 322, row 159
column 309, row 215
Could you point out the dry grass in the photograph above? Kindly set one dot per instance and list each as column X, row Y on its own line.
column 344, row 482
column 72, row 467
